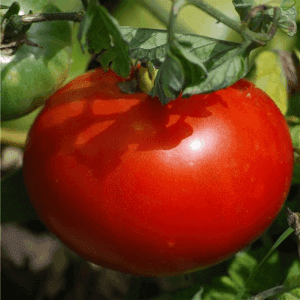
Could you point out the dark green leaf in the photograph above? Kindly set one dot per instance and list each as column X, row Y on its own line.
column 192, row 63
column 296, row 174
column 101, row 31
column 151, row 44
column 223, row 70
column 196, row 64
column 15, row 203
column 294, row 111
column 243, row 7
column 295, row 134
column 294, row 105
column 169, row 79
column 172, row 79
column 146, row 44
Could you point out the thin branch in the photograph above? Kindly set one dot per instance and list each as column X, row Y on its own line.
column 219, row 15
column 268, row 293
column 42, row 17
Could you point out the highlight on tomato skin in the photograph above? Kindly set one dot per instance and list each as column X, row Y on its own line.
column 156, row 190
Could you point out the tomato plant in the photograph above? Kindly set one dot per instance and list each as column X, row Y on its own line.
column 30, row 74
column 157, row 190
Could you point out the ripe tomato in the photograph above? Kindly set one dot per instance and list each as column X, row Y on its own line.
column 157, row 190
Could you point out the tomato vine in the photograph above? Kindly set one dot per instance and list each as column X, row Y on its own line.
column 173, row 66
column 189, row 71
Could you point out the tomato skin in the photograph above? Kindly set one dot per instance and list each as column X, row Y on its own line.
column 157, row 190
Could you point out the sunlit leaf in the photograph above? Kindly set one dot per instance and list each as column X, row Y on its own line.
column 268, row 75
column 100, row 32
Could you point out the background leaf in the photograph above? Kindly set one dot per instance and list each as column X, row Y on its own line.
column 99, row 31
column 267, row 74
column 15, row 203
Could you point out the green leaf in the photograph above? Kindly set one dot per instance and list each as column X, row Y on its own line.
column 15, row 203
column 169, row 79
column 262, row 280
column 100, row 31
column 172, row 78
column 221, row 288
column 152, row 44
column 295, row 134
column 294, row 105
column 198, row 296
column 146, row 44
column 192, row 64
column 267, row 74
column 236, row 285
column 296, row 174
column 226, row 69
column 203, row 64
column 293, row 276
column 32, row 74
column 294, row 111
column 261, row 22
column 293, row 294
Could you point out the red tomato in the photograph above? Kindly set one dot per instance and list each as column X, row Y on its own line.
column 157, row 190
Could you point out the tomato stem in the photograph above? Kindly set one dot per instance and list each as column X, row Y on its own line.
column 240, row 28
column 42, row 17
column 217, row 14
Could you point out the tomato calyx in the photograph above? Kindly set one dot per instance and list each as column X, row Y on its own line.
column 250, row 22
column 131, row 85
column 147, row 75
column 13, row 32
column 10, row 48
column 143, row 79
